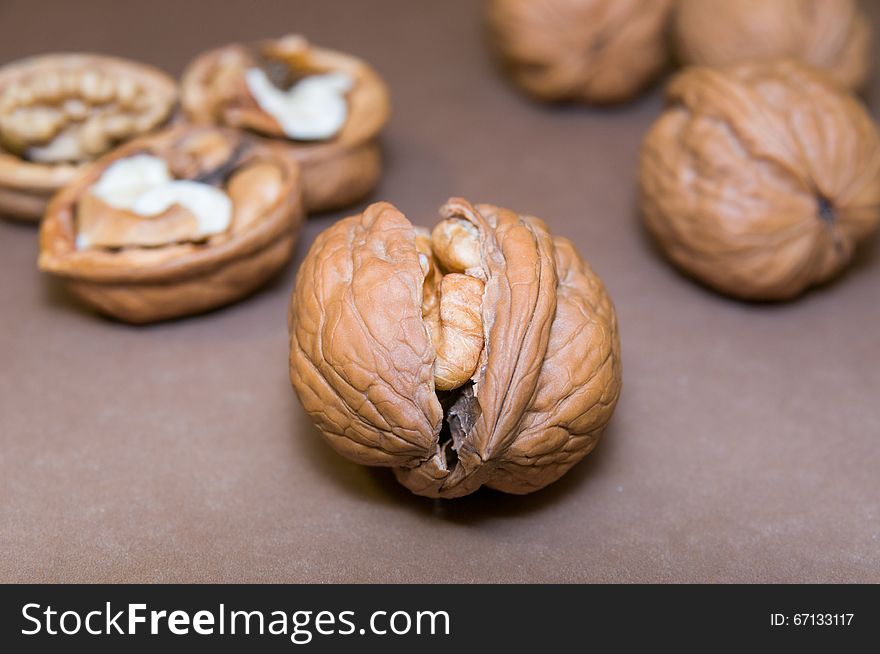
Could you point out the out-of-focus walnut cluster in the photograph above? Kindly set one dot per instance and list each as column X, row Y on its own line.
column 485, row 352
column 201, row 212
column 600, row 51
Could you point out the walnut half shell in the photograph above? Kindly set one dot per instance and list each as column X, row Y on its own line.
column 60, row 111
column 486, row 352
column 181, row 258
column 761, row 179
column 337, row 171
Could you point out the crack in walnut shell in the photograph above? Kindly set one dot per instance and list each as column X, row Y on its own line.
column 594, row 51
column 831, row 34
column 761, row 179
column 363, row 354
column 451, row 302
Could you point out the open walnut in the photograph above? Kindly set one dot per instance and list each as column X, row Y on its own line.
column 829, row 34
column 485, row 352
column 761, row 179
column 327, row 107
column 176, row 223
column 593, row 51
column 60, row 111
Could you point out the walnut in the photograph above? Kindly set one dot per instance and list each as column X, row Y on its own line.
column 760, row 179
column 326, row 107
column 176, row 223
column 593, row 51
column 457, row 371
column 60, row 111
column 829, row 34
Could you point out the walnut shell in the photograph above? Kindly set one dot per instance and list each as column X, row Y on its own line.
column 60, row 111
column 593, row 51
column 364, row 359
column 141, row 284
column 337, row 171
column 760, row 179
column 830, row 34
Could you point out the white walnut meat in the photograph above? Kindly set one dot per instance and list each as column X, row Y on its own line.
column 502, row 373
column 138, row 202
column 325, row 106
column 591, row 51
column 175, row 223
column 761, row 179
column 834, row 35
column 58, row 112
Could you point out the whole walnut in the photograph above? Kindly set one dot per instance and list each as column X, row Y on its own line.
column 829, row 34
column 484, row 352
column 593, row 51
column 760, row 179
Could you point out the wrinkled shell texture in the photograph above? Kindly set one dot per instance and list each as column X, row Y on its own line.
column 60, row 111
column 594, row 51
column 830, row 34
column 146, row 284
column 336, row 172
column 363, row 363
column 761, row 179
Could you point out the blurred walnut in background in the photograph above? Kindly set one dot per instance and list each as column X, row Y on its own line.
column 829, row 34
column 761, row 179
column 593, row 51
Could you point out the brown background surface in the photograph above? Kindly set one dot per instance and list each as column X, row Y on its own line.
column 746, row 446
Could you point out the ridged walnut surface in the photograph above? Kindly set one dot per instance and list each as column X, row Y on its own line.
column 593, row 51
column 361, row 358
column 761, row 179
column 830, row 34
